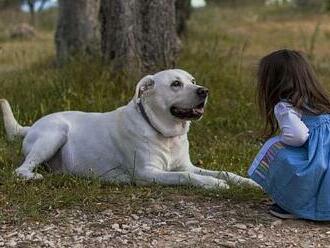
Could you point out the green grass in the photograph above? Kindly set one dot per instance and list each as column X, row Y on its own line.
column 221, row 50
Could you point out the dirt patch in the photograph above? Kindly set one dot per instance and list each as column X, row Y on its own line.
column 172, row 222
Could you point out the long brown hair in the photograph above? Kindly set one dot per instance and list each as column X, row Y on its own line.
column 287, row 75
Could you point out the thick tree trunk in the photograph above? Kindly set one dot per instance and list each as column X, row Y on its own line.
column 139, row 35
column 183, row 10
column 77, row 29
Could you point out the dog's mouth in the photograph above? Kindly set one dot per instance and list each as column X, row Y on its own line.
column 193, row 113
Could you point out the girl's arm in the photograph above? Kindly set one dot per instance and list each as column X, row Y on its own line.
column 293, row 131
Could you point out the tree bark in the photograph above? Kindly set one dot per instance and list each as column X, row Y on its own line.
column 139, row 35
column 77, row 30
column 183, row 10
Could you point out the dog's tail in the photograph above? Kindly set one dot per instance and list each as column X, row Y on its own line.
column 13, row 129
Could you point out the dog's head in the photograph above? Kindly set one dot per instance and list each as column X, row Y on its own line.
column 171, row 98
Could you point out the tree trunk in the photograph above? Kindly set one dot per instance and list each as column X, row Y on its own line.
column 183, row 10
column 31, row 4
column 139, row 35
column 326, row 5
column 77, row 30
column 302, row 3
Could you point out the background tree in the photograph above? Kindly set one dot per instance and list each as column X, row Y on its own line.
column 42, row 5
column 310, row 3
column 302, row 3
column 10, row 4
column 183, row 11
column 77, row 29
column 31, row 5
column 139, row 35
column 326, row 5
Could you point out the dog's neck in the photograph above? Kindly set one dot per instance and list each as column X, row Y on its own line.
column 145, row 116
column 166, row 125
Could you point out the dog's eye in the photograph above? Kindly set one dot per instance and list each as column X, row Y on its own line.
column 193, row 81
column 176, row 84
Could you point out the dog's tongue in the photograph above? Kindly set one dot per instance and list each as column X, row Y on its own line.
column 198, row 110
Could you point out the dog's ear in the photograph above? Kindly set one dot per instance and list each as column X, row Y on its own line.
column 146, row 84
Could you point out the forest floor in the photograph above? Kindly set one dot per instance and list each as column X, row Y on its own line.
column 221, row 49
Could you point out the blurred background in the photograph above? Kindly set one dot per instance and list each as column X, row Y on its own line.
column 88, row 55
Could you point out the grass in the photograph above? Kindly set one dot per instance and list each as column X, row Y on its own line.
column 221, row 50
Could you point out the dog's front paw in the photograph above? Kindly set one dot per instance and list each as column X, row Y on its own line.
column 223, row 184
column 213, row 183
column 28, row 175
column 251, row 183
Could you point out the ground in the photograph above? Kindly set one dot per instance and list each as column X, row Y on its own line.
column 221, row 49
column 174, row 221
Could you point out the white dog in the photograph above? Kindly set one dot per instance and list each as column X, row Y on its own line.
column 143, row 142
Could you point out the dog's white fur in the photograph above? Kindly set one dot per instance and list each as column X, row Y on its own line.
column 121, row 146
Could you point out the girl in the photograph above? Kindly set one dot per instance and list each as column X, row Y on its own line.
column 294, row 167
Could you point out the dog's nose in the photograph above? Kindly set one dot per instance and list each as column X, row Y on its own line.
column 202, row 92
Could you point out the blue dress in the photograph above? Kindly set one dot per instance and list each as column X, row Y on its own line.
column 298, row 178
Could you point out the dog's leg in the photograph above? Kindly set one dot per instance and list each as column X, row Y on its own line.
column 224, row 175
column 154, row 175
column 43, row 149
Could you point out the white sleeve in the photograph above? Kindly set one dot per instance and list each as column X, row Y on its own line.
column 293, row 131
